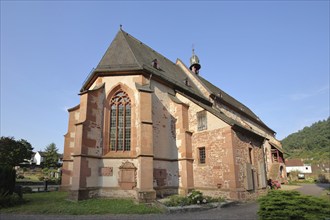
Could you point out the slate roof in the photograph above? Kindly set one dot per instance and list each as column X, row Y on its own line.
column 127, row 54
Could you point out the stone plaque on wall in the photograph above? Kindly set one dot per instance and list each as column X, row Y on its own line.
column 127, row 176
column 160, row 176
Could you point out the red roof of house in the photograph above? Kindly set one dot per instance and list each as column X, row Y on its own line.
column 297, row 162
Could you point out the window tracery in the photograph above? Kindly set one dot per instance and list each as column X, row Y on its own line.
column 120, row 122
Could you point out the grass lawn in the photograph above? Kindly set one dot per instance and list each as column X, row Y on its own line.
column 56, row 203
column 33, row 178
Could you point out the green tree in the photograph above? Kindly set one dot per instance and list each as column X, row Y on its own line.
column 51, row 156
column 14, row 152
column 310, row 143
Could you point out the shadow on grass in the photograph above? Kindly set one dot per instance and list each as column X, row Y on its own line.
column 56, row 203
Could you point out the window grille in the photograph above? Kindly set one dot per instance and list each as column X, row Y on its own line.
column 202, row 155
column 201, row 121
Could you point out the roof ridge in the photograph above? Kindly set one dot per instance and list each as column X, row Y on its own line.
column 145, row 45
column 129, row 46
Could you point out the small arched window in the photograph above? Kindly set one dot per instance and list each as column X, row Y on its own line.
column 120, row 122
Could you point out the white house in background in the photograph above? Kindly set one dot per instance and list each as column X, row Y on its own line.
column 298, row 165
column 37, row 158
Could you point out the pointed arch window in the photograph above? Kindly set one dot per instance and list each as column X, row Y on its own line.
column 120, row 122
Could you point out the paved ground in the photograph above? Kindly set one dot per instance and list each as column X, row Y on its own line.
column 308, row 189
column 239, row 211
column 247, row 211
column 313, row 189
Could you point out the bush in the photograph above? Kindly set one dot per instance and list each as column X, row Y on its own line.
column 177, row 200
column 195, row 197
column 210, row 199
column 10, row 200
column 322, row 179
column 292, row 205
column 7, row 180
column 20, row 176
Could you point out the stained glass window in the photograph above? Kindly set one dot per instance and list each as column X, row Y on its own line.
column 120, row 122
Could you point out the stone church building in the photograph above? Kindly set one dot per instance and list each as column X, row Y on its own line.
column 148, row 127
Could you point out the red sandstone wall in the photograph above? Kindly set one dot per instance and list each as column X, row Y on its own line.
column 249, row 159
column 218, row 171
column 69, row 138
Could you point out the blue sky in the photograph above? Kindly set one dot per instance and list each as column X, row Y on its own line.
column 273, row 56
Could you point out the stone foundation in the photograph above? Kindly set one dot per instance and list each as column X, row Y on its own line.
column 146, row 196
column 111, row 192
column 82, row 194
column 65, row 188
column 166, row 191
column 236, row 195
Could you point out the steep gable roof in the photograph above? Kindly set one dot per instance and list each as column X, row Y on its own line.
column 119, row 55
column 126, row 53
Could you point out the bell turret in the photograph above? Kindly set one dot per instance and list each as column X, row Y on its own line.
column 194, row 63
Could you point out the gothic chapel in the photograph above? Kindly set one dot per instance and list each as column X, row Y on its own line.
column 148, row 127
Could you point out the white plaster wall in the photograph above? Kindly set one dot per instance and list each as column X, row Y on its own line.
column 172, row 169
column 112, row 181
column 93, row 164
column 213, row 122
column 300, row 169
column 38, row 158
column 163, row 112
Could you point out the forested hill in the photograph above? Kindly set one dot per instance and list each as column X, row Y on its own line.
column 311, row 143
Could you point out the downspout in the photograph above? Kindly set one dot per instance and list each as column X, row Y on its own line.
column 150, row 80
column 265, row 161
